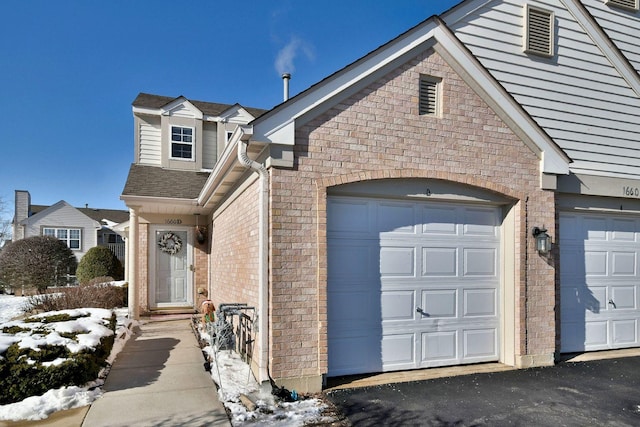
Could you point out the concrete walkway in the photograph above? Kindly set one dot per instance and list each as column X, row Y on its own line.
column 158, row 379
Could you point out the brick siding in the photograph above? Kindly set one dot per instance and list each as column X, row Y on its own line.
column 377, row 133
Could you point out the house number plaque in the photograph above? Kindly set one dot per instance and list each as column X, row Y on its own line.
column 631, row 191
column 174, row 221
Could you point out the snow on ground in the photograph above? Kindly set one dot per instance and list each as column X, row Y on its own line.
column 234, row 378
column 230, row 373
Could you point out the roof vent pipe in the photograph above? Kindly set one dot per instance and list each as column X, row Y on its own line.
column 285, row 79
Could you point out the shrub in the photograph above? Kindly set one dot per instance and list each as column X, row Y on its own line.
column 99, row 261
column 22, row 373
column 36, row 262
column 99, row 295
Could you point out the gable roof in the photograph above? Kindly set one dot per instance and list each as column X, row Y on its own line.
column 148, row 100
column 278, row 125
column 113, row 215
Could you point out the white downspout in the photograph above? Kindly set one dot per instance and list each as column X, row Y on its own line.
column 263, row 246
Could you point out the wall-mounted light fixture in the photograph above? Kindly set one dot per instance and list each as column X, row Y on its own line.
column 543, row 240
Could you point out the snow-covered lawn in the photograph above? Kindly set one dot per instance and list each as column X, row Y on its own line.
column 229, row 372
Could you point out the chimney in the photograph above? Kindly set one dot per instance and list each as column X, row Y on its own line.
column 285, row 79
column 21, row 211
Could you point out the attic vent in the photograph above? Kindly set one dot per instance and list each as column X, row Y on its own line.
column 539, row 31
column 625, row 4
column 429, row 96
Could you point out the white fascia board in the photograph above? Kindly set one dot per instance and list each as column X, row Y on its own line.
column 602, row 40
column 138, row 201
column 181, row 101
column 146, row 111
column 275, row 128
column 552, row 159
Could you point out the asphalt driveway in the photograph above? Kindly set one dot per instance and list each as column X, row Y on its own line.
column 594, row 393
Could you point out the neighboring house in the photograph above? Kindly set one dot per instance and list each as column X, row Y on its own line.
column 80, row 228
column 384, row 218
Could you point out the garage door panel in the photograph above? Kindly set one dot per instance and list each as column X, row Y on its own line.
column 439, row 261
column 396, row 218
column 479, row 222
column 350, row 216
column 439, row 220
column 480, row 262
column 354, row 354
column 595, row 263
column 398, row 349
column 439, row 303
column 349, row 261
column 623, row 230
column 623, row 297
column 397, row 261
column 625, row 332
column 480, row 343
column 354, row 310
column 479, row 302
column 596, row 334
column 623, row 263
column 397, row 305
column 440, row 346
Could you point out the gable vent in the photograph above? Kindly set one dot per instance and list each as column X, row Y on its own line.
column 625, row 4
column 539, row 31
column 428, row 99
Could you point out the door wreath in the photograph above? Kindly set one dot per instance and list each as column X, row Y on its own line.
column 170, row 243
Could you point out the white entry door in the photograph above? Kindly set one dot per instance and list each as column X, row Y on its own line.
column 171, row 275
column 599, row 281
column 411, row 284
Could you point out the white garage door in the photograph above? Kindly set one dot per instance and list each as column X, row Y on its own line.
column 599, row 281
column 411, row 284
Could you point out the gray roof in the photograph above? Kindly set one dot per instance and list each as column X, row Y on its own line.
column 210, row 108
column 114, row 215
column 153, row 181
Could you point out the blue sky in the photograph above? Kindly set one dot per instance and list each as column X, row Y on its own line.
column 70, row 70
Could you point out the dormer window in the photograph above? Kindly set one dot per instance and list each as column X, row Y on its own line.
column 539, row 31
column 624, row 4
column 181, row 143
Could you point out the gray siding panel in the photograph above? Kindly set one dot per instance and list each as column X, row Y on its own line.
column 578, row 96
column 210, row 145
column 150, row 142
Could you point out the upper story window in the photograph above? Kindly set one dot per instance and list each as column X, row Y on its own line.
column 71, row 236
column 539, row 31
column 228, row 135
column 429, row 96
column 625, row 4
column 181, row 142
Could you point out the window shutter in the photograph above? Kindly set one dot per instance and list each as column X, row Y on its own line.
column 539, row 27
column 428, row 97
column 626, row 4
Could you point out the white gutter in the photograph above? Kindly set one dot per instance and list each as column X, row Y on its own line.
column 246, row 132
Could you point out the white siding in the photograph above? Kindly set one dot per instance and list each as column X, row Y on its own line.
column 62, row 215
column 210, row 145
column 150, row 142
column 578, row 96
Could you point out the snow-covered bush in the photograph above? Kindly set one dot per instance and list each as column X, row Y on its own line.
column 53, row 350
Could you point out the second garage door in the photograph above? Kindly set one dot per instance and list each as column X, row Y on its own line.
column 599, row 281
column 411, row 284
